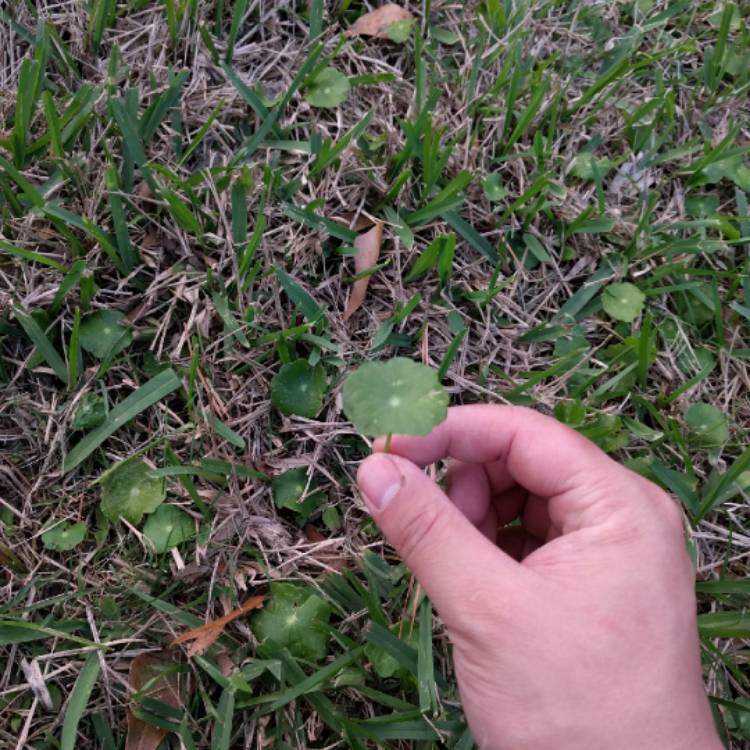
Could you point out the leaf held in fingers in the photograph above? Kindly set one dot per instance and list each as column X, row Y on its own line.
column 205, row 635
column 154, row 673
column 378, row 22
column 395, row 396
column 368, row 252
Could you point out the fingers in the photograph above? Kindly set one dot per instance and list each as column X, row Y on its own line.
column 448, row 555
column 536, row 451
column 469, row 490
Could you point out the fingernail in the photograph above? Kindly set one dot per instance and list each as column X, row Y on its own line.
column 380, row 480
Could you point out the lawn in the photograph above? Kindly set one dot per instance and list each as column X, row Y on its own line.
column 212, row 211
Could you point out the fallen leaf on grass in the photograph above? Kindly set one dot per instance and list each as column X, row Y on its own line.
column 377, row 22
column 165, row 688
column 205, row 635
column 368, row 245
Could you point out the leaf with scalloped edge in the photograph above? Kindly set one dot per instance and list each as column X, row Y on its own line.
column 397, row 396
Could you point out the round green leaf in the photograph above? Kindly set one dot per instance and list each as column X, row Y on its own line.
column 101, row 331
column 331, row 518
column 583, row 166
column 90, row 412
column 289, row 492
column 129, row 491
column 329, row 89
column 623, row 301
column 167, row 527
column 493, row 187
column 707, row 424
column 296, row 619
column 395, row 396
column 400, row 31
column 299, row 388
column 64, row 536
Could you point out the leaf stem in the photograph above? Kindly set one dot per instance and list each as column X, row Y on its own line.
column 387, row 448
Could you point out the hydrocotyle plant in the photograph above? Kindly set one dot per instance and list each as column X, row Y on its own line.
column 395, row 396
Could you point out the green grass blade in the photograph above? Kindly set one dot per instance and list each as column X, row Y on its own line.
column 724, row 625
column 317, row 9
column 269, row 123
column 72, row 219
column 222, row 735
column 227, row 433
column 238, row 16
column 124, row 248
column 338, row 148
column 162, row 104
column 74, row 351
column 308, row 306
column 740, row 465
column 446, row 200
column 70, row 280
column 476, row 240
column 425, row 663
column 78, row 700
column 252, row 99
column 201, row 134
column 43, row 345
column 147, row 395
column 53, row 126
column 31, row 255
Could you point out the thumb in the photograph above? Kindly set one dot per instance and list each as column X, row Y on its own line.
column 447, row 554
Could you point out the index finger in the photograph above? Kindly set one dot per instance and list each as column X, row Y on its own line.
column 539, row 453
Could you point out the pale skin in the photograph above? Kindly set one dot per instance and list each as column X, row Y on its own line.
column 575, row 630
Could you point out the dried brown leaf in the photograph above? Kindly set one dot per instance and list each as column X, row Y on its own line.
column 165, row 688
column 376, row 22
column 204, row 635
column 368, row 245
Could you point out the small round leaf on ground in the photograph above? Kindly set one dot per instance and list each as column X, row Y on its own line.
column 101, row 331
column 400, row 31
column 623, row 301
column 90, row 412
column 295, row 618
column 291, row 491
column 167, row 527
column 129, row 491
column 707, row 424
column 329, row 89
column 64, row 536
column 493, row 187
column 298, row 388
column 396, row 396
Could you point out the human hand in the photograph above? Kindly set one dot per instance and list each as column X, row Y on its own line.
column 575, row 628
